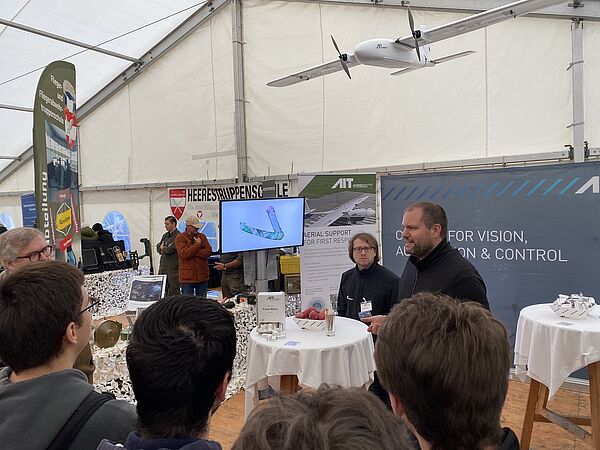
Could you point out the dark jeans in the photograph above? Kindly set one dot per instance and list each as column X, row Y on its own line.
column 198, row 289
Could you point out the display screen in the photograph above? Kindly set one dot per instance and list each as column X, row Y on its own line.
column 146, row 290
column 247, row 225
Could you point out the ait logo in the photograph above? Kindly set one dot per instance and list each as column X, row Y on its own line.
column 343, row 183
column 177, row 199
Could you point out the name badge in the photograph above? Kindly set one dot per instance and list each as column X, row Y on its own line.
column 365, row 309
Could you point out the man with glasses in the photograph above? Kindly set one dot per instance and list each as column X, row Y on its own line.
column 44, row 324
column 20, row 247
column 368, row 289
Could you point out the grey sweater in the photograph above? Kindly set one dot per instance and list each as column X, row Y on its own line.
column 32, row 412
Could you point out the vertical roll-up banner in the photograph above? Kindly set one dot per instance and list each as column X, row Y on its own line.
column 56, row 155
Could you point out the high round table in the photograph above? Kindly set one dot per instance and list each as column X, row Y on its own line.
column 548, row 349
column 311, row 358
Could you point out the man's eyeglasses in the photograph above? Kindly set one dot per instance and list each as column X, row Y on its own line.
column 362, row 249
column 35, row 256
column 94, row 302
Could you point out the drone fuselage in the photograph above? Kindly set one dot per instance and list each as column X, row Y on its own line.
column 388, row 53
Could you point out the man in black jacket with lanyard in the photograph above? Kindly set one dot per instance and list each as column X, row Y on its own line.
column 367, row 289
column 434, row 265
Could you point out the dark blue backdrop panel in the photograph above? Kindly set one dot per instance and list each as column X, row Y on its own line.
column 532, row 232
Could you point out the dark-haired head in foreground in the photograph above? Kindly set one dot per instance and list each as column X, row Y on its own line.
column 330, row 418
column 44, row 323
column 445, row 365
column 180, row 359
column 40, row 319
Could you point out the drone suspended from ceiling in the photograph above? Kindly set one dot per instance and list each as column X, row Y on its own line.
column 412, row 52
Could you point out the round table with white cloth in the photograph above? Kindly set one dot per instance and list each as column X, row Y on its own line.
column 549, row 348
column 345, row 359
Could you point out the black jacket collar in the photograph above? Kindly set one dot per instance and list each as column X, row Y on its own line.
column 435, row 255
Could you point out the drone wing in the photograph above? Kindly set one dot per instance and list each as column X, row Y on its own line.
column 314, row 72
column 477, row 21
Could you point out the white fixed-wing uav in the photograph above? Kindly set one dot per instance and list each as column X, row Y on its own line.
column 413, row 52
column 346, row 214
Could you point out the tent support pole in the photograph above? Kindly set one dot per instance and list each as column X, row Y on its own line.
column 238, row 86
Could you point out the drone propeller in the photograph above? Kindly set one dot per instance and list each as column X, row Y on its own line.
column 415, row 33
column 343, row 58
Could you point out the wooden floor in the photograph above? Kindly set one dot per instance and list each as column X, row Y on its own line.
column 229, row 419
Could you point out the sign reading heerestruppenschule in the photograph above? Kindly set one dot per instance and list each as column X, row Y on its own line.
column 55, row 152
column 203, row 201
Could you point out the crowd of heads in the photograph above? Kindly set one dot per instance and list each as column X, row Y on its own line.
column 444, row 363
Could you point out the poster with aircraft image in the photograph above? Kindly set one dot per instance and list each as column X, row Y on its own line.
column 336, row 208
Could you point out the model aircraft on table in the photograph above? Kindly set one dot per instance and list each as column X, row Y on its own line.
column 413, row 52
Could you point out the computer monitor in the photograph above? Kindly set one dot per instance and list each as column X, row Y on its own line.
column 89, row 260
column 261, row 224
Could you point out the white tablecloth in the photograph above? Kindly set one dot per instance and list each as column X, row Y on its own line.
column 345, row 359
column 549, row 348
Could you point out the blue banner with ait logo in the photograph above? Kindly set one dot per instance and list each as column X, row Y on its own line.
column 532, row 233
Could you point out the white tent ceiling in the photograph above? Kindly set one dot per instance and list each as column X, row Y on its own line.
column 131, row 27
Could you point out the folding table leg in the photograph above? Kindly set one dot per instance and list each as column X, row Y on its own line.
column 594, row 373
column 532, row 400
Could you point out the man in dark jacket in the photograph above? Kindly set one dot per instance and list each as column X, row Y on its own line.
column 367, row 289
column 103, row 235
column 434, row 265
column 445, row 364
column 169, row 261
column 180, row 359
column 44, row 323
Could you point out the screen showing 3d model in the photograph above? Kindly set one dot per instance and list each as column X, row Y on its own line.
column 261, row 224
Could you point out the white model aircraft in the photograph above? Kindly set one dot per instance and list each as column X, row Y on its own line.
column 412, row 52
column 347, row 213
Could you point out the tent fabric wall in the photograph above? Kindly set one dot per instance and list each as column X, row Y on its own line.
column 91, row 22
column 12, row 206
column 21, row 180
column 134, row 205
column 591, row 69
column 174, row 122
column 512, row 96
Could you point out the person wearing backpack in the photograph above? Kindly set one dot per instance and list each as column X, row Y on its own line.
column 46, row 404
column 180, row 358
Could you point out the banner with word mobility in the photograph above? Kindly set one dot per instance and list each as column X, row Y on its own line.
column 531, row 232
column 337, row 207
column 203, row 201
column 55, row 154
